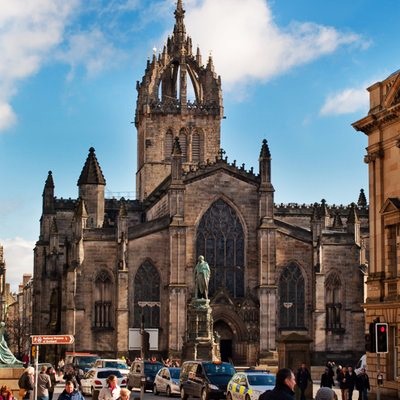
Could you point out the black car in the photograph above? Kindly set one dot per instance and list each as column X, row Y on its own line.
column 205, row 379
column 140, row 368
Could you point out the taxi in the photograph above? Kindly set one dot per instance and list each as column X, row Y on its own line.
column 248, row 385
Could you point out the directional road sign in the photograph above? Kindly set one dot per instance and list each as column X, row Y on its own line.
column 52, row 339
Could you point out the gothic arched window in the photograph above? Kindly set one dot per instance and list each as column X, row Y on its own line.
column 291, row 298
column 196, row 147
column 103, row 294
column 147, row 296
column 169, row 140
column 220, row 239
column 55, row 311
column 333, row 303
column 183, row 144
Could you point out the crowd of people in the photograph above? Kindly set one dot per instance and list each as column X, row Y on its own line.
column 347, row 380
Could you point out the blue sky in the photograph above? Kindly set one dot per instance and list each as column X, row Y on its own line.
column 293, row 71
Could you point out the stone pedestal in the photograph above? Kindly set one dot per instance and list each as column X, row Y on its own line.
column 200, row 343
column 9, row 376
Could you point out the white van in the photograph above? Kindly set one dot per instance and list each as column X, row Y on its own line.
column 362, row 363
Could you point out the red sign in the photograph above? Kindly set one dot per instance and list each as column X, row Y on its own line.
column 52, row 339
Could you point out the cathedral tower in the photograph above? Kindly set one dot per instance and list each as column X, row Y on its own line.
column 164, row 110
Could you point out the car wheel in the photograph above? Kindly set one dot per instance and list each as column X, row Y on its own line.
column 229, row 396
column 155, row 391
column 168, row 391
column 204, row 395
column 184, row 396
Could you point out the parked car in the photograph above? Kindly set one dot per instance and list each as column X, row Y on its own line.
column 205, row 379
column 167, row 381
column 117, row 363
column 80, row 360
column 95, row 379
column 147, row 368
column 248, row 385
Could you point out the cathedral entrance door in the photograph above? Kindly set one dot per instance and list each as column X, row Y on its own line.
column 225, row 347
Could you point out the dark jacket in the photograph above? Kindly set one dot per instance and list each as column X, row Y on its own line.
column 278, row 393
column 327, row 380
column 303, row 376
column 25, row 381
column 350, row 380
column 74, row 395
column 362, row 382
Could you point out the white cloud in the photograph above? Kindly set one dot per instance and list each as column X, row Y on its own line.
column 346, row 101
column 18, row 255
column 29, row 30
column 247, row 44
column 90, row 50
column 7, row 116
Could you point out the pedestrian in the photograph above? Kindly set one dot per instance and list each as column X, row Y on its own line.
column 327, row 379
column 362, row 384
column 303, row 376
column 70, row 375
column 6, row 393
column 112, row 390
column 325, row 393
column 70, row 393
column 341, row 378
column 43, row 384
column 124, row 394
column 26, row 383
column 284, row 386
column 52, row 374
column 350, row 382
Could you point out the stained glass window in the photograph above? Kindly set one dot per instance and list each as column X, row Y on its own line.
column 291, row 298
column 147, row 296
column 220, row 239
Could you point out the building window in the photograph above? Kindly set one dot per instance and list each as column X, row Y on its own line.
column 183, row 144
column 291, row 298
column 220, row 239
column 169, row 140
column 391, row 232
column 54, row 321
column 333, row 303
column 147, row 296
column 103, row 289
column 196, row 147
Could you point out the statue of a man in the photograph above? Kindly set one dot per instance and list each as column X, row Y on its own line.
column 201, row 278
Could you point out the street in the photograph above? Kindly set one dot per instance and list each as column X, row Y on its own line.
column 150, row 396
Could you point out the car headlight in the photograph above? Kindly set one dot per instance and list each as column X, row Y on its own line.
column 148, row 378
column 175, row 382
column 213, row 387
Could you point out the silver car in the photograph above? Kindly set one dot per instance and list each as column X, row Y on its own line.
column 167, row 381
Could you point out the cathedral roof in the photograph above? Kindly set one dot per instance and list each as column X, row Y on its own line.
column 91, row 172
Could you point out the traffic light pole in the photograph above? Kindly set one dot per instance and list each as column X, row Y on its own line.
column 378, row 386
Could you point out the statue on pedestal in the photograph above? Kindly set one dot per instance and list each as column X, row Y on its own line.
column 201, row 278
column 6, row 356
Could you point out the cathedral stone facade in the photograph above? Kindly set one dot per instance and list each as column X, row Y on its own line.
column 102, row 265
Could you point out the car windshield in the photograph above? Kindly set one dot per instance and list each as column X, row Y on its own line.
column 219, row 369
column 106, row 374
column 115, row 364
column 86, row 361
column 261, row 380
column 174, row 373
column 152, row 368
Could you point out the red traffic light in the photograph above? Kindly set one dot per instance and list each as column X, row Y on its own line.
column 382, row 328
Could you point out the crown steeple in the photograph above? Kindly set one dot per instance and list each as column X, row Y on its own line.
column 177, row 97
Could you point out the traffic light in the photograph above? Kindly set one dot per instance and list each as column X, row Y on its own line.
column 381, row 335
column 370, row 344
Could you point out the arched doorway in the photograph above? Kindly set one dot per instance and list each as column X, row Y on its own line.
column 226, row 340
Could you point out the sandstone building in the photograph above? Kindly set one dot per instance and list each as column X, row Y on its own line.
column 277, row 271
column 382, row 126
